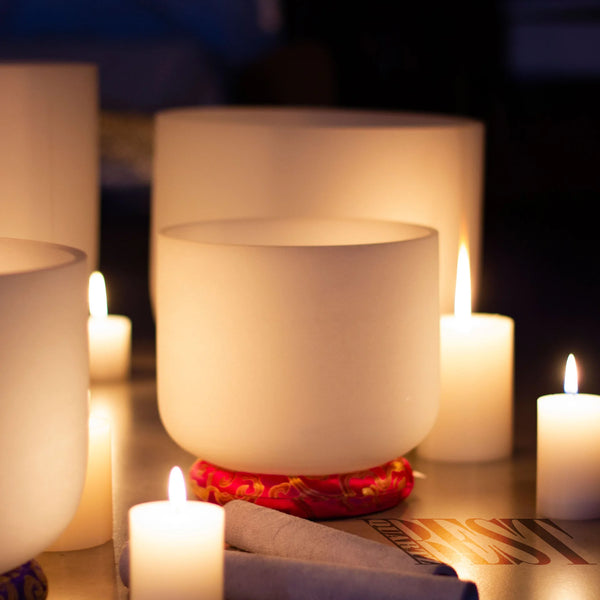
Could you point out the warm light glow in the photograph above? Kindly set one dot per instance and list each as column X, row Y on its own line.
column 462, row 296
column 571, row 386
column 177, row 492
column 97, row 295
column 99, row 414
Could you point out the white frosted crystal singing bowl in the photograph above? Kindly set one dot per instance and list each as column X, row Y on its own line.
column 49, row 154
column 248, row 162
column 298, row 346
column 43, row 394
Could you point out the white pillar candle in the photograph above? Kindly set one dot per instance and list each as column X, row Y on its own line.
column 568, row 452
column 92, row 523
column 43, row 394
column 49, row 148
column 176, row 547
column 321, row 336
column 476, row 403
column 109, row 336
column 237, row 162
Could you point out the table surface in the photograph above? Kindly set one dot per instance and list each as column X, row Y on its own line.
column 480, row 518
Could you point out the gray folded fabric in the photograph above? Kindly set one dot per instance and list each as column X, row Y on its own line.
column 259, row 577
column 266, row 531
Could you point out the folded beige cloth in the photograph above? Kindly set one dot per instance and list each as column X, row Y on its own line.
column 266, row 531
column 258, row 577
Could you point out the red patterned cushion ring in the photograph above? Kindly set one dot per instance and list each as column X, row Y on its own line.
column 319, row 497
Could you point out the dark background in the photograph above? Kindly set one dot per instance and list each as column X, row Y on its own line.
column 529, row 69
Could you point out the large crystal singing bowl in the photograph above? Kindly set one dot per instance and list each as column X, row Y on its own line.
column 254, row 162
column 49, row 154
column 43, row 394
column 298, row 346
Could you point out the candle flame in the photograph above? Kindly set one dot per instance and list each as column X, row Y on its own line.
column 462, row 296
column 97, row 295
column 571, row 386
column 99, row 412
column 177, row 492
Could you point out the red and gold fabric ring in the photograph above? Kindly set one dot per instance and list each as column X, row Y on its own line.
column 320, row 497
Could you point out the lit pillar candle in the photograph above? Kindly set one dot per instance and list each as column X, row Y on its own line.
column 109, row 336
column 177, row 547
column 92, row 523
column 568, row 452
column 474, row 422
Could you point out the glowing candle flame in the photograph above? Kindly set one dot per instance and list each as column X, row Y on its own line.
column 97, row 295
column 462, row 296
column 571, row 386
column 177, row 492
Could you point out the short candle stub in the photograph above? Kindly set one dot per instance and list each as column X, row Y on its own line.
column 176, row 543
column 92, row 524
column 109, row 336
column 568, row 426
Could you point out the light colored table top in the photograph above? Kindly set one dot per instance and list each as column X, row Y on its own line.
column 479, row 518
